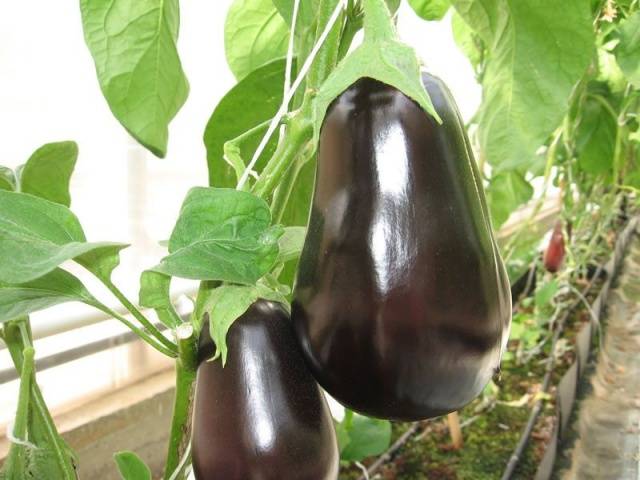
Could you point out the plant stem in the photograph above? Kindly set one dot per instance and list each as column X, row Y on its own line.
column 297, row 138
column 16, row 345
column 15, row 462
column 186, row 367
column 378, row 24
column 283, row 193
column 327, row 28
column 151, row 328
column 170, row 352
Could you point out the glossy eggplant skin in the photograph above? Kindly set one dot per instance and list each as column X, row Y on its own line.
column 262, row 416
column 402, row 302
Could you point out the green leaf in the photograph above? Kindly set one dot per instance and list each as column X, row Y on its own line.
column 102, row 261
column 254, row 34
column 222, row 234
column 466, row 39
column 228, row 302
column 545, row 293
column 595, row 136
column 58, row 286
column 537, row 57
column 430, row 9
column 506, row 192
column 133, row 44
column 364, row 437
column 48, row 171
column 291, row 243
column 381, row 57
column 131, row 467
column 255, row 99
column 7, row 179
column 36, row 236
column 628, row 50
column 155, row 292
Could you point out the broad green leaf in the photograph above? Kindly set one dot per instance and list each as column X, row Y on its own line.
column 102, row 261
column 48, row 171
column 381, row 57
column 365, row 437
column 595, row 136
column 7, row 179
column 255, row 99
column 536, row 58
column 466, row 39
column 58, row 286
column 291, row 243
column 628, row 50
column 506, row 192
column 133, row 44
column 254, row 34
column 430, row 9
column 131, row 467
column 36, row 236
column 545, row 293
column 155, row 292
column 222, row 234
column 228, row 302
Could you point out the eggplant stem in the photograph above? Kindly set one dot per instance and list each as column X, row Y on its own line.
column 186, row 367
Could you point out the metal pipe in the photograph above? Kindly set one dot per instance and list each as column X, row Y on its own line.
column 76, row 353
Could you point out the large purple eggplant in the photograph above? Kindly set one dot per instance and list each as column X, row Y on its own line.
column 402, row 303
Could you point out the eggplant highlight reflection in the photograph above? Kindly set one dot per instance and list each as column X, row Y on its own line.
column 262, row 416
column 402, row 302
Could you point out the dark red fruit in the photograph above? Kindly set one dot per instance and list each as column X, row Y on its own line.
column 262, row 416
column 402, row 303
column 554, row 254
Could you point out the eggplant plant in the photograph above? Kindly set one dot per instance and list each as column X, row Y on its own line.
column 343, row 165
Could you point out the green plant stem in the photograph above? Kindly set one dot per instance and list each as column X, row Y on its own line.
column 300, row 129
column 186, row 367
column 378, row 24
column 170, row 352
column 283, row 193
column 16, row 345
column 15, row 463
column 144, row 321
column 296, row 139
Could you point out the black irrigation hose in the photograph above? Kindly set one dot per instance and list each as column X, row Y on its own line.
column 546, row 383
